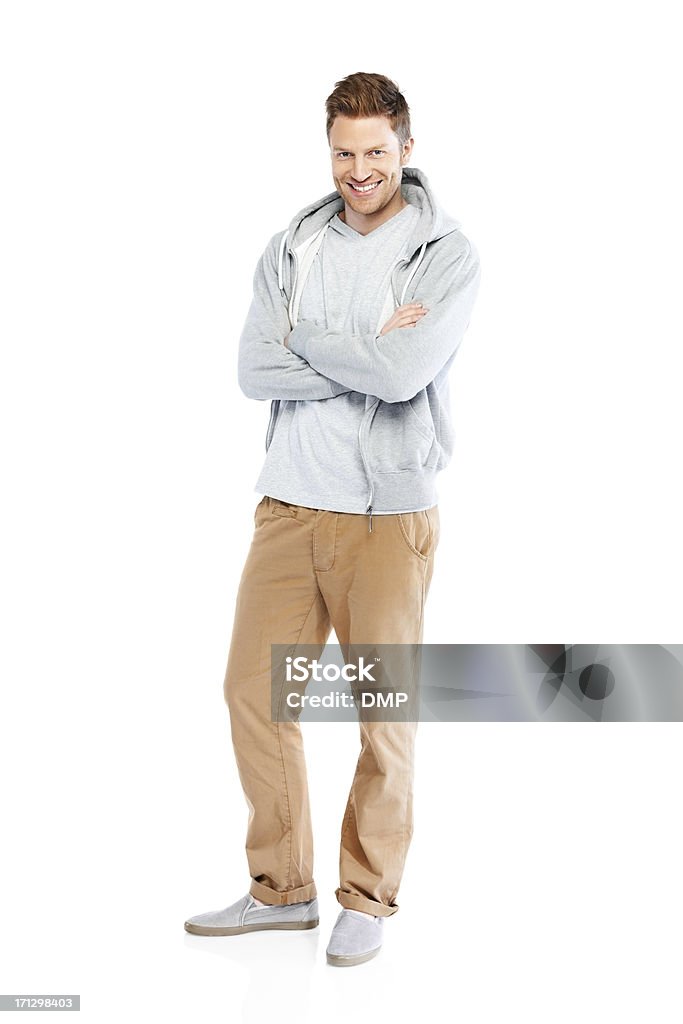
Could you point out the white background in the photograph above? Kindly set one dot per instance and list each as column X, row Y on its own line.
column 150, row 150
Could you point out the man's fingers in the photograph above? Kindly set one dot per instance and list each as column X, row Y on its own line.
column 410, row 318
column 405, row 316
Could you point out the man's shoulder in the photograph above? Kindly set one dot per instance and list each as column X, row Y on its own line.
column 270, row 254
column 275, row 240
column 454, row 242
column 453, row 247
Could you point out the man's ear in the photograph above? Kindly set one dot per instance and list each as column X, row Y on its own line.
column 406, row 154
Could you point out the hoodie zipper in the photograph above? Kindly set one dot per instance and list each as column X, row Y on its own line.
column 295, row 278
column 369, row 413
column 274, row 405
column 369, row 509
column 366, row 415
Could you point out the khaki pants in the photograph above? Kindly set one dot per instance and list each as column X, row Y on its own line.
column 309, row 571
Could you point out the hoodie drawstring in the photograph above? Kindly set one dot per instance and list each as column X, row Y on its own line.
column 410, row 275
column 283, row 242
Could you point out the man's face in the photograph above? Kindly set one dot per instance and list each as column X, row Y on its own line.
column 365, row 150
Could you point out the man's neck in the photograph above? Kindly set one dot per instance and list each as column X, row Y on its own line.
column 364, row 223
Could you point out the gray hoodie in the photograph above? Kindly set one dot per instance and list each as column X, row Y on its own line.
column 406, row 428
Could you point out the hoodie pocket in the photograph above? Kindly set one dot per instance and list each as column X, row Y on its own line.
column 399, row 440
column 419, row 406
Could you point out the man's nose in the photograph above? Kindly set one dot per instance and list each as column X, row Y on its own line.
column 360, row 172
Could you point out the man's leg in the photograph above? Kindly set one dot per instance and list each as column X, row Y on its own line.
column 278, row 602
column 375, row 588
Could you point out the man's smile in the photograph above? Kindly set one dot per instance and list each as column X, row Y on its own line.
column 362, row 189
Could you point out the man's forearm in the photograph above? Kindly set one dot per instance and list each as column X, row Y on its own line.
column 396, row 365
column 267, row 368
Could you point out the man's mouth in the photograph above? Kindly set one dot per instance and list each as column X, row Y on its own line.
column 362, row 189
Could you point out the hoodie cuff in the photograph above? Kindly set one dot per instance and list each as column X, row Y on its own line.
column 301, row 335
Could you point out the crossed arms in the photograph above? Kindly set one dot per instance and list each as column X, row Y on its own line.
column 318, row 363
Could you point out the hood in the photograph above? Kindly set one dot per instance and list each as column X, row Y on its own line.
column 433, row 222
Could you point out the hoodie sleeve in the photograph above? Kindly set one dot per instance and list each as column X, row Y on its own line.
column 397, row 365
column 266, row 368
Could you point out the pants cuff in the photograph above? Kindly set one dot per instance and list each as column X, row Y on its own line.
column 354, row 902
column 274, row 898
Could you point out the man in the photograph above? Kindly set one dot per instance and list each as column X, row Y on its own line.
column 358, row 310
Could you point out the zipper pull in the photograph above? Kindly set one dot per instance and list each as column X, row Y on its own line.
column 369, row 509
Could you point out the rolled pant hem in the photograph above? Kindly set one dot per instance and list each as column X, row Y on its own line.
column 274, row 898
column 354, row 902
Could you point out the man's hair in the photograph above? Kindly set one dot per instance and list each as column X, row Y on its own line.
column 367, row 95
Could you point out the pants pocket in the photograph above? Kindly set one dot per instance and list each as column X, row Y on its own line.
column 260, row 508
column 420, row 531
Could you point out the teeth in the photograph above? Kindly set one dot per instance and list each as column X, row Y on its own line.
column 364, row 188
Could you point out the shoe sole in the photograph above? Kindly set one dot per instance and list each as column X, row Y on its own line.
column 350, row 961
column 200, row 929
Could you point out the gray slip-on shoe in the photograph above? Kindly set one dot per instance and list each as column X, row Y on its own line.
column 246, row 916
column 354, row 939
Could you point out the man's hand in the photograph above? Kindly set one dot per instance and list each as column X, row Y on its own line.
column 405, row 316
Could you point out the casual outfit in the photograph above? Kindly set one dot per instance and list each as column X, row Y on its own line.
column 405, row 433
column 348, row 525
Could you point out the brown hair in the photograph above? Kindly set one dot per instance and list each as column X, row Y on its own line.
column 368, row 95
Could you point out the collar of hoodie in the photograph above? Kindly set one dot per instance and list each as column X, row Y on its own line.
column 432, row 223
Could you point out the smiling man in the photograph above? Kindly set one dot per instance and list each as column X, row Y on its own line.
column 358, row 309
column 376, row 197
